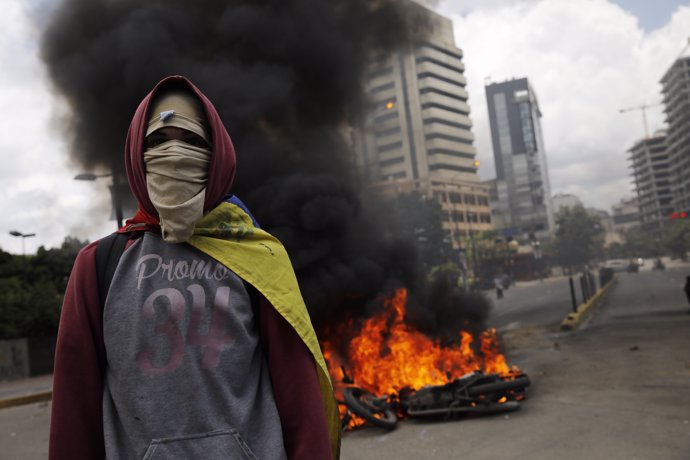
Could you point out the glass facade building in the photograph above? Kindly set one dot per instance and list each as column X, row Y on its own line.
column 522, row 179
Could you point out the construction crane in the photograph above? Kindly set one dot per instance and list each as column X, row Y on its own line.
column 643, row 108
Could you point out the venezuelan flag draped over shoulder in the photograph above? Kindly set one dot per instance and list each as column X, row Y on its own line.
column 229, row 234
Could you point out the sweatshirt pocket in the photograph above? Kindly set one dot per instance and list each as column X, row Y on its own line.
column 217, row 444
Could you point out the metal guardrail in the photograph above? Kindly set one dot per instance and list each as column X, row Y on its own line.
column 572, row 320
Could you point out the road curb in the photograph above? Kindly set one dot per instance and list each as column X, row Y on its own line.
column 26, row 399
column 573, row 320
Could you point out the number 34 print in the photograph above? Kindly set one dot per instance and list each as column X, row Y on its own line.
column 171, row 329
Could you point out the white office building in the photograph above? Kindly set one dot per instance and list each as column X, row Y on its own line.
column 417, row 135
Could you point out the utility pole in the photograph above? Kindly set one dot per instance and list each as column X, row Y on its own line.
column 643, row 108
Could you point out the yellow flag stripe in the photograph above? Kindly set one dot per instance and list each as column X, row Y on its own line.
column 228, row 235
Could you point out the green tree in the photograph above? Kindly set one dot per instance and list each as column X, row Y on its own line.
column 639, row 243
column 31, row 290
column 579, row 236
column 677, row 239
column 616, row 250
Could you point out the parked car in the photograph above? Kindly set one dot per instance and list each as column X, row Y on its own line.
column 617, row 265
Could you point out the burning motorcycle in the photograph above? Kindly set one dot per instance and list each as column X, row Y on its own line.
column 475, row 393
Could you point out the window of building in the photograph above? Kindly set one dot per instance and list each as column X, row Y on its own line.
column 470, row 199
column 435, row 76
column 433, row 105
column 391, row 146
column 380, row 72
column 502, row 125
column 384, row 87
column 521, row 95
column 455, row 197
column 437, row 166
column 441, row 121
column 422, row 60
column 391, row 161
column 441, row 50
column 388, row 115
column 445, row 94
column 453, row 153
column 387, row 132
column 448, row 138
column 527, row 131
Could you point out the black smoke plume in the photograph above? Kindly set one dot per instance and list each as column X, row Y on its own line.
column 287, row 78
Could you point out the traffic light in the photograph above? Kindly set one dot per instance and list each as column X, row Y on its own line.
column 679, row 215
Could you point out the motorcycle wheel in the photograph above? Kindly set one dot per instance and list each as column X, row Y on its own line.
column 369, row 407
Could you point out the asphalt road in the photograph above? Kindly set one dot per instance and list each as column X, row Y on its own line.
column 617, row 389
column 545, row 303
column 24, row 432
column 542, row 303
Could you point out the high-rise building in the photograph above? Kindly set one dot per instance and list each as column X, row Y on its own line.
column 418, row 134
column 606, row 224
column 650, row 164
column 522, row 179
column 626, row 215
column 676, row 90
column 564, row 200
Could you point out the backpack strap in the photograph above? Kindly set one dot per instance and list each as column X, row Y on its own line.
column 108, row 253
column 254, row 298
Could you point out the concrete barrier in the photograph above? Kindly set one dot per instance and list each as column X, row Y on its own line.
column 574, row 319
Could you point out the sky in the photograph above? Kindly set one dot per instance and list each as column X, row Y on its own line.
column 586, row 60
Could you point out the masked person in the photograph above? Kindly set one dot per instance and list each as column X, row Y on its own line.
column 203, row 347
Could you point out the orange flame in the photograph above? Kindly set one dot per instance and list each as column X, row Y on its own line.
column 388, row 355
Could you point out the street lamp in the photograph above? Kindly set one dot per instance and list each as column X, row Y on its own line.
column 117, row 204
column 23, row 236
column 90, row 177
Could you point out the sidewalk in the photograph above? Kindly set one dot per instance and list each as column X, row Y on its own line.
column 25, row 391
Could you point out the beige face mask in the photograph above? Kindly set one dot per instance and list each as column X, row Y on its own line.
column 177, row 172
column 176, row 175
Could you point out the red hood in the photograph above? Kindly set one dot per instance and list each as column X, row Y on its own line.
column 221, row 169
